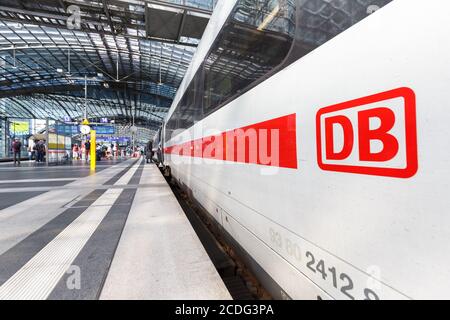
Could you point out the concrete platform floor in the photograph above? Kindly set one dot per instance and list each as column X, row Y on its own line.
column 117, row 234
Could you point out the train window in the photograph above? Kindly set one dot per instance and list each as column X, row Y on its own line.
column 260, row 38
column 189, row 106
column 255, row 40
column 186, row 119
column 321, row 20
column 171, row 125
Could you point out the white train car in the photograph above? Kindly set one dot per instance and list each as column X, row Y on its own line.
column 314, row 132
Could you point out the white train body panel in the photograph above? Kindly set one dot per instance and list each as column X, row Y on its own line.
column 369, row 233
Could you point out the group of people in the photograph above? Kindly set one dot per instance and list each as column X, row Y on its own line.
column 76, row 152
column 79, row 150
column 35, row 151
column 103, row 151
column 107, row 151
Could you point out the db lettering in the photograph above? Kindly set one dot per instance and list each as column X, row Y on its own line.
column 374, row 135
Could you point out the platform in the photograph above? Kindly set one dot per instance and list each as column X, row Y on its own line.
column 116, row 234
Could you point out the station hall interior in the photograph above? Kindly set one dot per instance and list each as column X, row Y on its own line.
column 222, row 150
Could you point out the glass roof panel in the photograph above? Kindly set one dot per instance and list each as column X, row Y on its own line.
column 44, row 64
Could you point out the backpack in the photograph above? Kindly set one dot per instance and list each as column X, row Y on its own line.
column 16, row 146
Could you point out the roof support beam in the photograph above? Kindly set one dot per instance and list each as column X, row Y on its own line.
column 23, row 107
column 84, row 23
column 180, row 30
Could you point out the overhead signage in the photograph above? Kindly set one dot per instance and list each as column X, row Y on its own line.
column 67, row 129
column 118, row 140
column 19, row 128
column 104, row 129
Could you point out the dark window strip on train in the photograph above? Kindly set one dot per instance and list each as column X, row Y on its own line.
column 260, row 38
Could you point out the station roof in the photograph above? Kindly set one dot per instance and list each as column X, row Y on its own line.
column 131, row 54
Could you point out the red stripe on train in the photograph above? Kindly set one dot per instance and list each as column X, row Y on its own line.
column 271, row 143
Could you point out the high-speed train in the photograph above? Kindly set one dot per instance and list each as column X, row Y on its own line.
column 315, row 134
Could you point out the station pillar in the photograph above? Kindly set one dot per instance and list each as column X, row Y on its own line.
column 93, row 150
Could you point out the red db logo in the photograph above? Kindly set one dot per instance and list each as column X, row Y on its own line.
column 375, row 135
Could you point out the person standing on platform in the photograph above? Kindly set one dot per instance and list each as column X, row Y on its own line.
column 87, row 147
column 75, row 151
column 40, row 150
column 149, row 151
column 109, row 152
column 16, row 147
column 37, row 147
column 34, row 152
column 115, row 151
column 30, row 152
